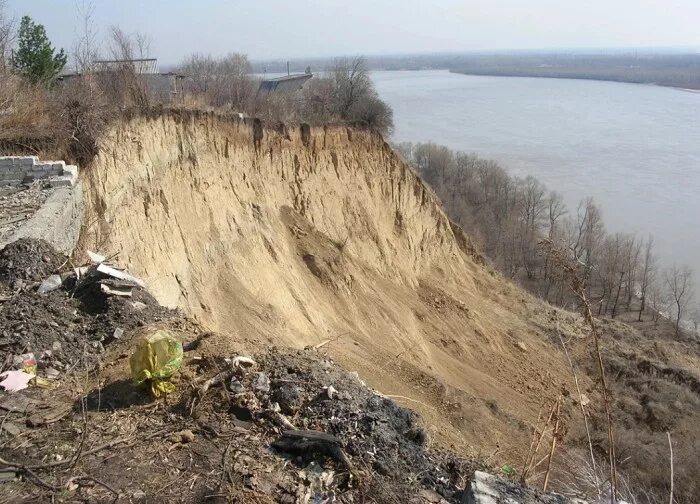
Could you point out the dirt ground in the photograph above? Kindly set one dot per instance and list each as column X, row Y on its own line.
column 112, row 443
column 90, row 434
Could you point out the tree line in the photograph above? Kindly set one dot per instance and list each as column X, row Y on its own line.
column 509, row 217
column 70, row 96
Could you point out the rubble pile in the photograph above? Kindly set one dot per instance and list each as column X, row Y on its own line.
column 285, row 426
column 343, row 441
column 26, row 261
column 63, row 316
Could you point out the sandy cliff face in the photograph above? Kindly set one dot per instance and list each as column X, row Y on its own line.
column 294, row 237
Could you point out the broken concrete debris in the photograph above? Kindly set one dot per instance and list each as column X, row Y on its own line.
column 66, row 324
column 486, row 488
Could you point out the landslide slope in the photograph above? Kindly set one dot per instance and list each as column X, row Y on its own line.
column 297, row 236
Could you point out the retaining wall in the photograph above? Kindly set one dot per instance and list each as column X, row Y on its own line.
column 15, row 170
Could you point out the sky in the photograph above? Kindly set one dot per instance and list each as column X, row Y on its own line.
column 287, row 29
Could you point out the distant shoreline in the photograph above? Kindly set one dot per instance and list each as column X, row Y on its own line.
column 536, row 75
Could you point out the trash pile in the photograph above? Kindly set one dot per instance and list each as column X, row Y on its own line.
column 168, row 416
column 342, row 442
column 61, row 317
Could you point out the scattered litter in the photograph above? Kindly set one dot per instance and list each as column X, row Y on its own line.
column 52, row 373
column 15, row 380
column 331, row 392
column 116, row 290
column 118, row 333
column 25, row 362
column 242, row 362
column 261, row 383
column 319, row 481
column 121, row 275
column 96, row 258
column 50, row 284
column 235, row 386
column 156, row 358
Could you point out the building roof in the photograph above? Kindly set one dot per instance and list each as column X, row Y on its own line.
column 285, row 83
column 141, row 66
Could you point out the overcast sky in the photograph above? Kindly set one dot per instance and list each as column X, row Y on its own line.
column 282, row 29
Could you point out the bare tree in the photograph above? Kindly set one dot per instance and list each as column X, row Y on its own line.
column 648, row 274
column 556, row 210
column 86, row 47
column 352, row 82
column 123, row 78
column 679, row 283
column 7, row 35
column 223, row 82
column 356, row 99
column 585, row 234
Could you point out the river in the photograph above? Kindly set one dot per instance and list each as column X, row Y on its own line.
column 634, row 148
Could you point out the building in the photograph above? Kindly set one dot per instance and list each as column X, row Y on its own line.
column 285, row 84
column 166, row 85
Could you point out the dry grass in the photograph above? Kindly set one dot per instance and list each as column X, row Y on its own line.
column 23, row 109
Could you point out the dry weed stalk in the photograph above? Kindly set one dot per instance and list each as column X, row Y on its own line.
column 583, row 411
column 555, row 433
column 578, row 286
column 538, row 435
column 670, row 447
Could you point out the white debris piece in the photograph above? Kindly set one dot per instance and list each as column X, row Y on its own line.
column 96, row 258
column 15, row 380
column 50, row 284
column 121, row 275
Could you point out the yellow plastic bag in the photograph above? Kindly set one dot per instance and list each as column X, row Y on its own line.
column 156, row 358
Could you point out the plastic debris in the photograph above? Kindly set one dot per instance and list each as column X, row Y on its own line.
column 96, row 258
column 261, row 383
column 242, row 362
column 25, row 362
column 331, row 392
column 15, row 380
column 235, row 386
column 50, row 284
column 52, row 373
column 116, row 290
column 156, row 358
column 319, row 481
column 121, row 275
column 118, row 333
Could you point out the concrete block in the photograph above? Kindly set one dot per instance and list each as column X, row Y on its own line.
column 39, row 167
column 26, row 160
column 70, row 170
column 11, row 176
column 63, row 181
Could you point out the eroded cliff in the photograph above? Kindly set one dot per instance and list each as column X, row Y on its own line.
column 298, row 236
